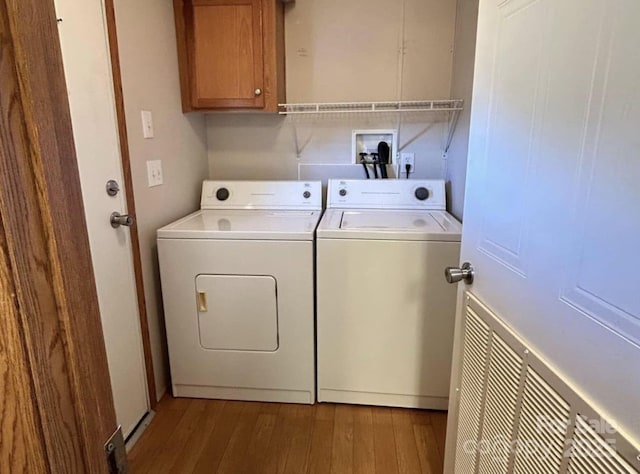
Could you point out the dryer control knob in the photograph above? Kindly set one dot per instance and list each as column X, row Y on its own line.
column 306, row 194
column 422, row 193
column 342, row 192
column 222, row 194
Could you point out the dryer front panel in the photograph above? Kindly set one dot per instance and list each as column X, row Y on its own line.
column 237, row 312
column 240, row 318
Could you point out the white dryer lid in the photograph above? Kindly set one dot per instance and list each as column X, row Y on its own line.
column 389, row 225
column 244, row 225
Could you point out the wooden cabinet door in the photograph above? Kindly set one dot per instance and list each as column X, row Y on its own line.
column 226, row 53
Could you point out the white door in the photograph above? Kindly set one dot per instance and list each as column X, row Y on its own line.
column 552, row 212
column 88, row 74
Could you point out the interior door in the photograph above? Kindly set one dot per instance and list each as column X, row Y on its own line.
column 552, row 214
column 87, row 69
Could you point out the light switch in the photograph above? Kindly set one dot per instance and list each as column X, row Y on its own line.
column 154, row 173
column 147, row 124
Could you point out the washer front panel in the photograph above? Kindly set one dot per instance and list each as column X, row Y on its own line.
column 385, row 321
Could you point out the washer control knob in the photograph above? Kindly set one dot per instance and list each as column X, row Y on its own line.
column 342, row 192
column 422, row 193
column 306, row 194
column 222, row 194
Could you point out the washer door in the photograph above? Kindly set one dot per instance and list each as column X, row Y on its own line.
column 237, row 312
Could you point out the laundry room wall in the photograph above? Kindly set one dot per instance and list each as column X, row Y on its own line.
column 147, row 45
column 461, row 88
column 345, row 51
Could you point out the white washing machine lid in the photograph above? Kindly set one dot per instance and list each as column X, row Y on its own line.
column 386, row 224
column 244, row 225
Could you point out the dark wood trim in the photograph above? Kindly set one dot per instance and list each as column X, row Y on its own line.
column 274, row 54
column 222, row 2
column 131, row 204
column 22, row 448
column 258, row 53
column 281, row 59
column 180, row 14
column 227, row 104
column 46, row 253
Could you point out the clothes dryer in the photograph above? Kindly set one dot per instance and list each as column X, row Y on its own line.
column 238, row 290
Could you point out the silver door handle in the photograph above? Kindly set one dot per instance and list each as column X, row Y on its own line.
column 455, row 274
column 118, row 219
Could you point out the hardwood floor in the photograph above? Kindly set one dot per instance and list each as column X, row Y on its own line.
column 209, row 436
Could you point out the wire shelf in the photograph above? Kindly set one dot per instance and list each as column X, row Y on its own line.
column 454, row 105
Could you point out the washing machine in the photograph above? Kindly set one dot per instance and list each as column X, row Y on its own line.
column 385, row 314
column 238, row 292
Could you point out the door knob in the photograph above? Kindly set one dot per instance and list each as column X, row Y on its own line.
column 258, row 92
column 455, row 274
column 118, row 219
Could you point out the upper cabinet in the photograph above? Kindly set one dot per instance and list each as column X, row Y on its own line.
column 231, row 54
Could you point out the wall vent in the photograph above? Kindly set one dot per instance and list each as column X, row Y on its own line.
column 501, row 396
column 476, row 350
column 516, row 415
column 549, row 431
column 604, row 459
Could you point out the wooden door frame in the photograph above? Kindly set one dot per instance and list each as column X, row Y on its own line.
column 125, row 157
column 55, row 398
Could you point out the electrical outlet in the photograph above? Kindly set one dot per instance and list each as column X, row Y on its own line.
column 154, row 173
column 407, row 159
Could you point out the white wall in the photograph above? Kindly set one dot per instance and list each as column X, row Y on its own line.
column 264, row 146
column 347, row 50
column 344, row 51
column 148, row 57
column 461, row 88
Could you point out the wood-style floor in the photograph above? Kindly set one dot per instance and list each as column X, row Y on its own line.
column 214, row 436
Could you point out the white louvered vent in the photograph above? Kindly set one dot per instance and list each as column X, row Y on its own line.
column 591, row 454
column 544, row 421
column 476, row 348
column 517, row 415
column 500, row 410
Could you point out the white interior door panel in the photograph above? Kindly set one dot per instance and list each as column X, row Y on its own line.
column 87, row 67
column 551, row 214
